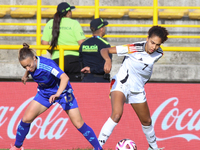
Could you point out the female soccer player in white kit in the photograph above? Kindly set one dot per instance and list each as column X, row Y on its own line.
column 127, row 86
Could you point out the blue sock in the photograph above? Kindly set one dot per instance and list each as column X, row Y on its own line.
column 22, row 131
column 89, row 134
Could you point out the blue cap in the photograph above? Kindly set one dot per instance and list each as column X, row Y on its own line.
column 63, row 8
column 97, row 23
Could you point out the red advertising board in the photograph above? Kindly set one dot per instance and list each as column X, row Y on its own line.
column 174, row 109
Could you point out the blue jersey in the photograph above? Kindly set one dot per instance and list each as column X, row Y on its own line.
column 47, row 75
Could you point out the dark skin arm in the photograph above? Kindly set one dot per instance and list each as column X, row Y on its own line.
column 105, row 54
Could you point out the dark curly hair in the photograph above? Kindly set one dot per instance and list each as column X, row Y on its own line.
column 158, row 31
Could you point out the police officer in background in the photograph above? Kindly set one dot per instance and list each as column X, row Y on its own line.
column 90, row 58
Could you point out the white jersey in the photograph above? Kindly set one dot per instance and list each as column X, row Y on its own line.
column 137, row 66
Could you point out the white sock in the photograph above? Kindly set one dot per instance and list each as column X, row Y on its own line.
column 106, row 131
column 150, row 136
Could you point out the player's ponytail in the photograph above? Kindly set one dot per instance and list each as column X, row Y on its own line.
column 25, row 52
column 55, row 30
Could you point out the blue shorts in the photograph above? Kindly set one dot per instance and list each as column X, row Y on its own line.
column 66, row 100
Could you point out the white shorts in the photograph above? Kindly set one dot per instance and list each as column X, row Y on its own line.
column 131, row 97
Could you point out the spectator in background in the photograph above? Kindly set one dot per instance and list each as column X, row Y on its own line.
column 91, row 60
column 62, row 30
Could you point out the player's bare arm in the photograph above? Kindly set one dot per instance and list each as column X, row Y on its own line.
column 64, row 79
column 25, row 77
column 105, row 54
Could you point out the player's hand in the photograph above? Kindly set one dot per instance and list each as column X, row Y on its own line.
column 107, row 66
column 53, row 98
column 86, row 70
column 24, row 79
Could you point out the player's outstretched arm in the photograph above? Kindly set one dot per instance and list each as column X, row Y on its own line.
column 105, row 54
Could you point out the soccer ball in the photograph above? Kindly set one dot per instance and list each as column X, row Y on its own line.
column 126, row 144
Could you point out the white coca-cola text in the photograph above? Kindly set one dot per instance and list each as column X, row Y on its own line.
column 56, row 124
column 177, row 118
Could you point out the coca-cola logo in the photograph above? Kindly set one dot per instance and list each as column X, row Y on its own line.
column 175, row 118
column 53, row 126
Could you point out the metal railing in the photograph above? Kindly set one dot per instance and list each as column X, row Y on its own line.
column 61, row 48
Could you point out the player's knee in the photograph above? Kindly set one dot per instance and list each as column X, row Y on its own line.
column 27, row 119
column 78, row 124
column 146, row 122
column 116, row 117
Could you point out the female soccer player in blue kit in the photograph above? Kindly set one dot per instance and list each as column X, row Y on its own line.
column 53, row 86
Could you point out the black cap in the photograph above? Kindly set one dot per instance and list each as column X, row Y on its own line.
column 64, row 7
column 97, row 23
